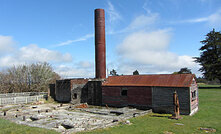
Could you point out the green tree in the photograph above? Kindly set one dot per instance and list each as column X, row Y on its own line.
column 113, row 73
column 184, row 70
column 210, row 56
column 135, row 72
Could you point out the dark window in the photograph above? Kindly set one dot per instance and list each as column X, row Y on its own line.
column 75, row 96
column 124, row 92
column 193, row 95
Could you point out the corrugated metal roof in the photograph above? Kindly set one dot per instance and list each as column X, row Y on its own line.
column 162, row 80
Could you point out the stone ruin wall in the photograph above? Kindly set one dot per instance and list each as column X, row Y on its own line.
column 78, row 91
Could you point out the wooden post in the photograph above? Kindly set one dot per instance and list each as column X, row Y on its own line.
column 176, row 114
column 107, row 106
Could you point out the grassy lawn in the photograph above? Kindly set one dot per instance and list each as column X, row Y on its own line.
column 209, row 86
column 7, row 127
column 208, row 116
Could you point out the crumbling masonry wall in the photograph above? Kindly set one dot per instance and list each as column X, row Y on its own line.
column 63, row 91
column 79, row 91
column 94, row 92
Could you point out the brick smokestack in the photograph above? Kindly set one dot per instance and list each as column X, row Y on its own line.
column 100, row 51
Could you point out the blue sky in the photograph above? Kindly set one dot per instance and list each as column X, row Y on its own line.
column 151, row 36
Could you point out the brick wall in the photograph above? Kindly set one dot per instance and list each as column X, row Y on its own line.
column 136, row 96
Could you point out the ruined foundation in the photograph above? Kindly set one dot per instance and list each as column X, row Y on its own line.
column 67, row 118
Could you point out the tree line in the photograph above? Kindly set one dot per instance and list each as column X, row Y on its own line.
column 35, row 77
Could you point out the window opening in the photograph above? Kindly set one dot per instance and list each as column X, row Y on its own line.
column 75, row 96
column 193, row 95
column 124, row 92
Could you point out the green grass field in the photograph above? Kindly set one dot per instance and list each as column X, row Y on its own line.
column 208, row 116
column 7, row 127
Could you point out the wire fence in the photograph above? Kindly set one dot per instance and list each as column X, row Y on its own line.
column 22, row 98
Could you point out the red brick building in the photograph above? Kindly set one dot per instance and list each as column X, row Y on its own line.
column 152, row 91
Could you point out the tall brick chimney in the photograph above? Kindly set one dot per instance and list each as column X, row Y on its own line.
column 100, row 51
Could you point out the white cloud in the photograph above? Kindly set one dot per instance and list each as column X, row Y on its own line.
column 150, row 50
column 145, row 7
column 146, row 41
column 74, row 71
column 143, row 21
column 113, row 15
column 69, row 42
column 127, row 67
column 213, row 19
column 6, row 44
column 85, row 64
column 146, row 49
column 197, row 20
column 33, row 53
column 9, row 61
